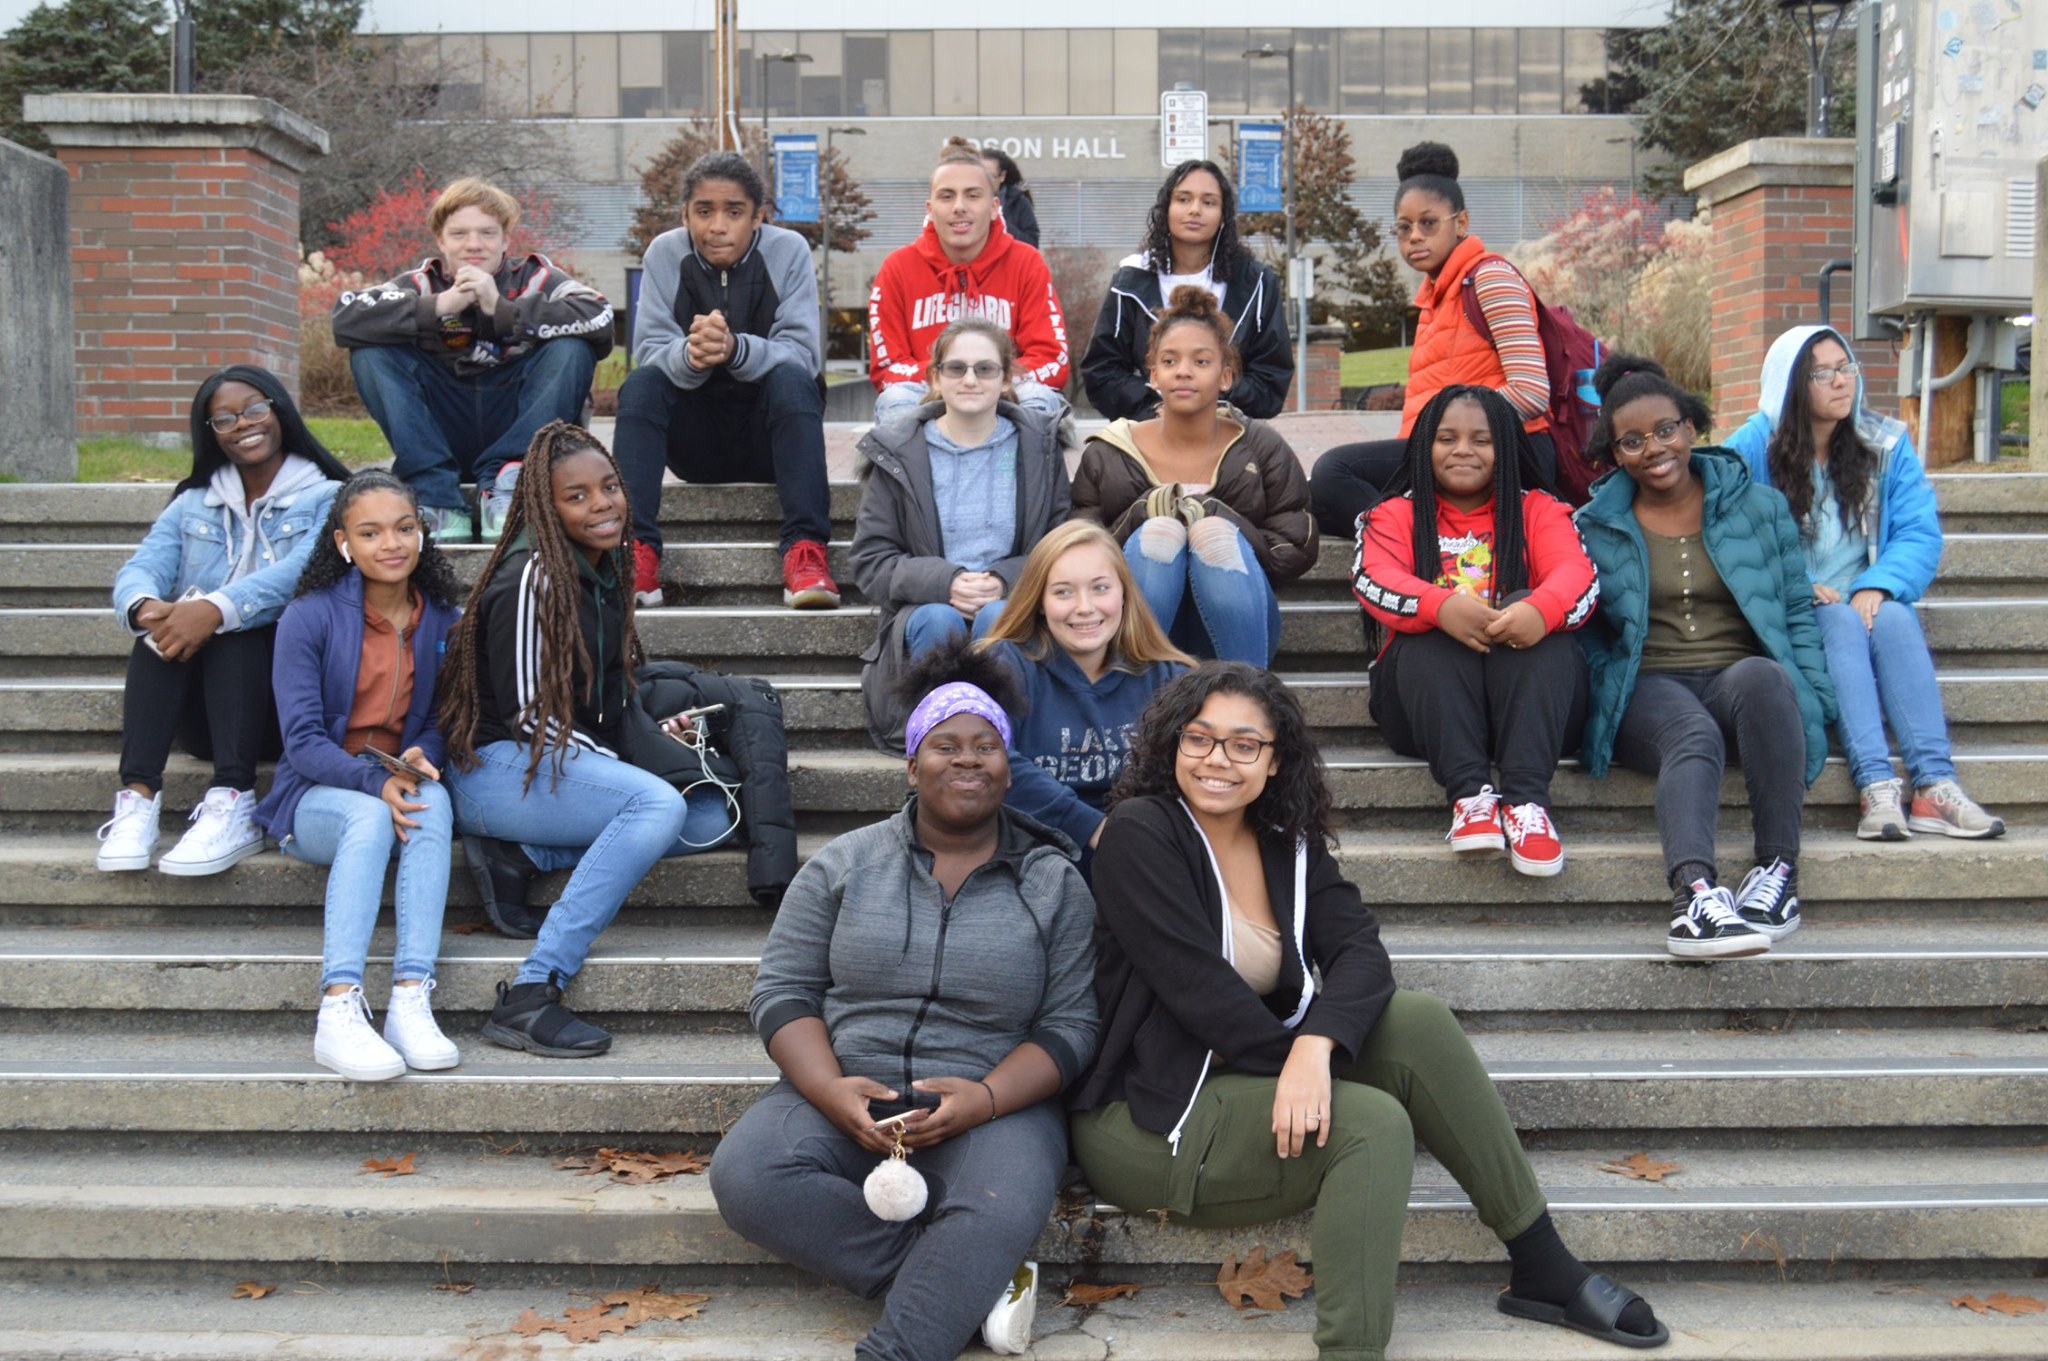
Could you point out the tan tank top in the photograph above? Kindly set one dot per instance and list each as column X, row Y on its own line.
column 1257, row 952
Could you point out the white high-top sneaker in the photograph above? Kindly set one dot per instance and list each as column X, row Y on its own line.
column 347, row 1043
column 223, row 833
column 410, row 1029
column 128, row 839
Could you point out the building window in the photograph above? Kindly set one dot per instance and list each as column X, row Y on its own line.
column 1358, row 71
column 688, row 65
column 1224, row 72
column 1407, row 70
column 1045, row 72
column 1091, row 71
column 910, row 74
column 1140, row 70
column 1314, row 61
column 1493, row 70
column 1180, row 59
column 956, row 63
column 1450, row 70
column 641, row 94
column 1585, row 61
column 1542, row 70
column 1002, row 73
column 867, row 75
column 821, row 82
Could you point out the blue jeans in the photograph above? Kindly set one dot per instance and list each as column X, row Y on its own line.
column 353, row 832
column 445, row 429
column 1886, row 672
column 608, row 820
column 770, row 431
column 900, row 397
column 1228, row 612
column 933, row 625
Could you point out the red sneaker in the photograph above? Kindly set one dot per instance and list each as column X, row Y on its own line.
column 1475, row 823
column 646, row 574
column 1533, row 847
column 806, row 581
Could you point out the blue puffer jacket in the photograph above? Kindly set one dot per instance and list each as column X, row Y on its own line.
column 1752, row 542
column 1901, row 522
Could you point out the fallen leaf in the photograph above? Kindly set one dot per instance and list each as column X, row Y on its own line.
column 635, row 1169
column 649, row 1302
column 578, row 1325
column 391, row 1167
column 1261, row 1283
column 252, row 1290
column 2013, row 1305
column 469, row 928
column 1638, row 1167
column 590, row 1322
column 1085, row 1296
column 455, row 1287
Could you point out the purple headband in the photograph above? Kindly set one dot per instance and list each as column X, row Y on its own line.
column 954, row 697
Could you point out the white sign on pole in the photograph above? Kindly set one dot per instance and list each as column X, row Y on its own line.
column 1301, row 276
column 1183, row 126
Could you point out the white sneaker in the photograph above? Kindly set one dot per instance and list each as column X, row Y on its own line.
column 128, row 839
column 409, row 1028
column 1007, row 1329
column 346, row 1043
column 223, row 833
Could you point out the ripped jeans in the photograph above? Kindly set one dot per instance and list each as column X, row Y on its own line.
column 1206, row 588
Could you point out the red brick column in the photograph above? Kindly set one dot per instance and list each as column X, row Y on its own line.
column 1778, row 208
column 184, row 246
column 1325, row 369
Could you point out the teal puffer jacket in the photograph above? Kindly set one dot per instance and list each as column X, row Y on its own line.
column 1750, row 538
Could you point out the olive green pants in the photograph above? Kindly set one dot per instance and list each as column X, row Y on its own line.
column 1417, row 1078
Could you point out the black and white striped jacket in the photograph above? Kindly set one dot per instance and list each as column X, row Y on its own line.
column 509, row 664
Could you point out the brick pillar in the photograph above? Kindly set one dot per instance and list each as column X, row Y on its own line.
column 1778, row 208
column 184, row 246
column 1325, row 368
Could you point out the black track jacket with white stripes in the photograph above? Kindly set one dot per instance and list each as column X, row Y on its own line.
column 510, row 665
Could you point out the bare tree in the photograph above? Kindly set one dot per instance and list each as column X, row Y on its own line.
column 661, row 185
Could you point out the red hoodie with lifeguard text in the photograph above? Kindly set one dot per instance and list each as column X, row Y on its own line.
column 919, row 291
column 1562, row 583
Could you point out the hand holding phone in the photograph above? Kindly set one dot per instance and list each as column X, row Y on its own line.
column 684, row 727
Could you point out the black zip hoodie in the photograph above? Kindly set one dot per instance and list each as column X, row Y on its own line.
column 1113, row 370
column 508, row 638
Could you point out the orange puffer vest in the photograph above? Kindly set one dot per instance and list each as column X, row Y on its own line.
column 1448, row 349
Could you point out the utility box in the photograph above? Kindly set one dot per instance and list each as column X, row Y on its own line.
column 1950, row 121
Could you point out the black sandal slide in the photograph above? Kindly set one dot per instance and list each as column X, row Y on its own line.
column 1593, row 1311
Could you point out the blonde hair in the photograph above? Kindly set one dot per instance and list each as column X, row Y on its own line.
column 1140, row 642
column 473, row 193
column 1006, row 353
column 959, row 151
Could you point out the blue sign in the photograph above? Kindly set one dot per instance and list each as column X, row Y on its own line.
column 796, row 177
column 1261, row 168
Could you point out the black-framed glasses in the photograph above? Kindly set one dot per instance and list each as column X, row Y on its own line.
column 1822, row 377
column 1240, row 749
column 986, row 370
column 1634, row 442
column 224, row 421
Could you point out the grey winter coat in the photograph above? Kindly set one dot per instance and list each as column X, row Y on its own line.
column 910, row 986
column 899, row 559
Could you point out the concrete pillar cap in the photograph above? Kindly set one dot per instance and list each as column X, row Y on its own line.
column 1771, row 161
column 107, row 120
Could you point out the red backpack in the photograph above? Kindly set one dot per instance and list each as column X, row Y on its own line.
column 1570, row 353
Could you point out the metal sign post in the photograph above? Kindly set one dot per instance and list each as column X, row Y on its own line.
column 1183, row 125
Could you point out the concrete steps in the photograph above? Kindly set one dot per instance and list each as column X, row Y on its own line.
column 1861, row 1116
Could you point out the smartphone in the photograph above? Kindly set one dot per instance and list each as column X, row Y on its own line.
column 191, row 593
column 693, row 735
column 396, row 766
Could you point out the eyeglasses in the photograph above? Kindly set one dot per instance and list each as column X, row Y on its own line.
column 1820, row 378
column 224, row 421
column 1665, row 434
column 987, row 370
column 1240, row 749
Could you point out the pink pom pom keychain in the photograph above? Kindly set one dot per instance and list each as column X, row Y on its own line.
column 894, row 1190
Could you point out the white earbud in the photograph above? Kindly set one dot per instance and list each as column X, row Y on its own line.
column 347, row 556
column 419, row 540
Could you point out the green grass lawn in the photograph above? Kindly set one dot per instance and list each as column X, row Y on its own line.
column 2013, row 411
column 356, row 442
column 1368, row 368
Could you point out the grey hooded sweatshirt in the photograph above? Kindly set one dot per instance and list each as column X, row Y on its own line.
column 910, row 986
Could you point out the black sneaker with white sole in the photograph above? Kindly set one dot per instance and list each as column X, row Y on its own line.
column 1769, row 899
column 503, row 875
column 1707, row 925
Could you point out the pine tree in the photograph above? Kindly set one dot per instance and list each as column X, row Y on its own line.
column 98, row 46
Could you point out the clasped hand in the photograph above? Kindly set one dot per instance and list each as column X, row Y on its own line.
column 971, row 590
column 1480, row 626
column 710, row 340
column 400, row 791
column 178, row 630
column 963, row 1104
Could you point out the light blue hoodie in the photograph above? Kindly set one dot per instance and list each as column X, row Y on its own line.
column 1900, row 521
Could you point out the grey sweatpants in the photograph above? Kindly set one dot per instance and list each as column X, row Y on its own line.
column 786, row 1179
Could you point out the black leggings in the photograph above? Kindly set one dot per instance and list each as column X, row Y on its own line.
column 1469, row 713
column 217, row 706
column 1348, row 479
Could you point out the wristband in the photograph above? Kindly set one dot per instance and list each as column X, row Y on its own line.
column 991, row 1098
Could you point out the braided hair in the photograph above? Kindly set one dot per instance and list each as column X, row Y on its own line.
column 433, row 575
column 533, row 524
column 1514, row 471
column 1227, row 251
column 1623, row 378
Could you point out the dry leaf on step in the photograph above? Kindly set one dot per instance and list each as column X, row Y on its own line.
column 252, row 1290
column 1260, row 1283
column 635, row 1169
column 578, row 1325
column 1639, row 1167
column 2001, row 1303
column 649, row 1302
column 391, row 1167
column 1084, row 1296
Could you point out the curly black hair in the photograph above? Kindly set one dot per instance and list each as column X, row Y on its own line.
column 1296, row 801
column 1228, row 250
column 960, row 660
column 1514, row 471
column 1431, row 167
column 1624, row 378
column 433, row 574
